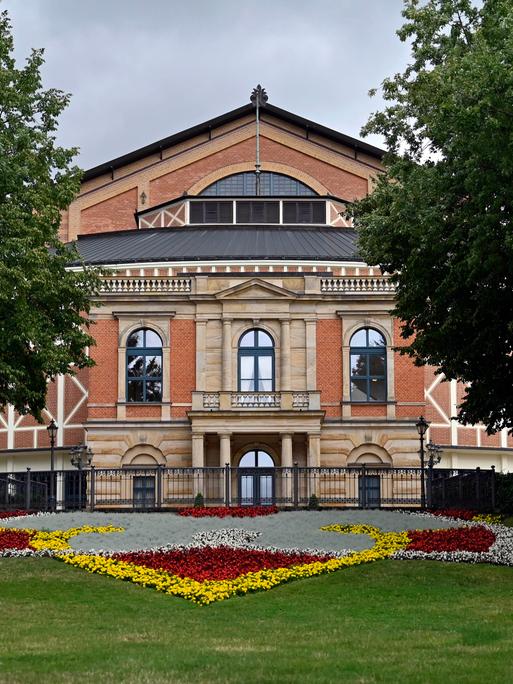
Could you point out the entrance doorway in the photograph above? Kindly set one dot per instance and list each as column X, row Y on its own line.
column 256, row 479
column 369, row 491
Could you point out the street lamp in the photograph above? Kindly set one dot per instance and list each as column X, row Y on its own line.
column 434, row 454
column 52, row 433
column 81, row 457
column 422, row 426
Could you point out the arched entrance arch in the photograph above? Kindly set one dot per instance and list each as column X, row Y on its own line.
column 256, row 478
column 373, row 460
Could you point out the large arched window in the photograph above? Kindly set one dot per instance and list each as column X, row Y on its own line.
column 271, row 184
column 144, row 366
column 256, row 362
column 368, row 366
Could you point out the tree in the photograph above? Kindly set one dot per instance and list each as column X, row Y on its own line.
column 440, row 216
column 43, row 306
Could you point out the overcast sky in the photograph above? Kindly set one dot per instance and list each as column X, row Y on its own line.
column 141, row 70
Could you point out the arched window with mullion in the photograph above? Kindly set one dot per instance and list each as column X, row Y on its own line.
column 256, row 362
column 144, row 366
column 368, row 366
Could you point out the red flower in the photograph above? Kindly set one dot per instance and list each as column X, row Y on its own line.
column 216, row 563
column 14, row 539
column 458, row 513
column 475, row 538
column 225, row 511
column 13, row 514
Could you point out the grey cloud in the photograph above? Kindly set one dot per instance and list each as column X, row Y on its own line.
column 139, row 71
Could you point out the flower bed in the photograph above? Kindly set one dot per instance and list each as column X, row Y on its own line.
column 207, row 591
column 15, row 542
column 477, row 538
column 216, row 563
column 226, row 511
column 464, row 514
column 221, row 563
column 13, row 514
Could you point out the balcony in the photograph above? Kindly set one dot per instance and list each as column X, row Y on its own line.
column 256, row 401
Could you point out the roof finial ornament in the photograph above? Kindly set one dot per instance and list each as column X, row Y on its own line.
column 259, row 99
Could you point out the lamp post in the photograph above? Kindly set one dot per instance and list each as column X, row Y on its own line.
column 81, row 457
column 422, row 426
column 52, row 433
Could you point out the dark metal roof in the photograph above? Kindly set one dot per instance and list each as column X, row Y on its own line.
column 206, row 243
column 206, row 126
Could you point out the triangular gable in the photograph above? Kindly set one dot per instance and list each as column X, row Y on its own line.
column 256, row 288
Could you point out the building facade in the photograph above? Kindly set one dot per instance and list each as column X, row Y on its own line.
column 238, row 324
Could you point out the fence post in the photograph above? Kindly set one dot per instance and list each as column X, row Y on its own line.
column 493, row 502
column 91, row 488
column 295, row 485
column 478, row 488
column 227, row 477
column 27, row 491
column 430, row 486
column 159, row 486
column 363, row 488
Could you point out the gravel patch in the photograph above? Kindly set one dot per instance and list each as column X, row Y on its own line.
column 285, row 530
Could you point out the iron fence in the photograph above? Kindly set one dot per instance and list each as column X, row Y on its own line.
column 163, row 488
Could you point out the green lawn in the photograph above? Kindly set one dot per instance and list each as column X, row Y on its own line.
column 389, row 621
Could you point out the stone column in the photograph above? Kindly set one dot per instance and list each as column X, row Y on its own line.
column 198, row 461
column 286, row 450
column 226, row 383
column 313, row 461
column 311, row 354
column 201, row 354
column 198, row 450
column 314, row 449
column 285, row 355
column 285, row 478
column 225, row 455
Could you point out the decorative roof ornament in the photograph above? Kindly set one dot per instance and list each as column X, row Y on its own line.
column 259, row 96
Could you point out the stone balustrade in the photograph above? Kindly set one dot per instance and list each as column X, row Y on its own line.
column 234, row 401
column 134, row 285
column 358, row 285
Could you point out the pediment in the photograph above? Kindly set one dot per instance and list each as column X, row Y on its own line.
column 256, row 288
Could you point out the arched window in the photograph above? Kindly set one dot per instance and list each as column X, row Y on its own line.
column 242, row 184
column 368, row 366
column 144, row 366
column 256, row 362
column 256, row 459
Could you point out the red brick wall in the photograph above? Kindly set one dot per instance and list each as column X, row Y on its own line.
column 368, row 410
column 116, row 213
column 147, row 411
column 329, row 364
column 103, row 378
column 183, row 364
column 409, row 379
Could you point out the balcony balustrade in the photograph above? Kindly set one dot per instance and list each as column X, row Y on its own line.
column 276, row 401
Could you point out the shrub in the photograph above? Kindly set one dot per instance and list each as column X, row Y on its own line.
column 313, row 503
column 199, row 501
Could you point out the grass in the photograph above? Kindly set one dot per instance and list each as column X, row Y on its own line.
column 390, row 621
